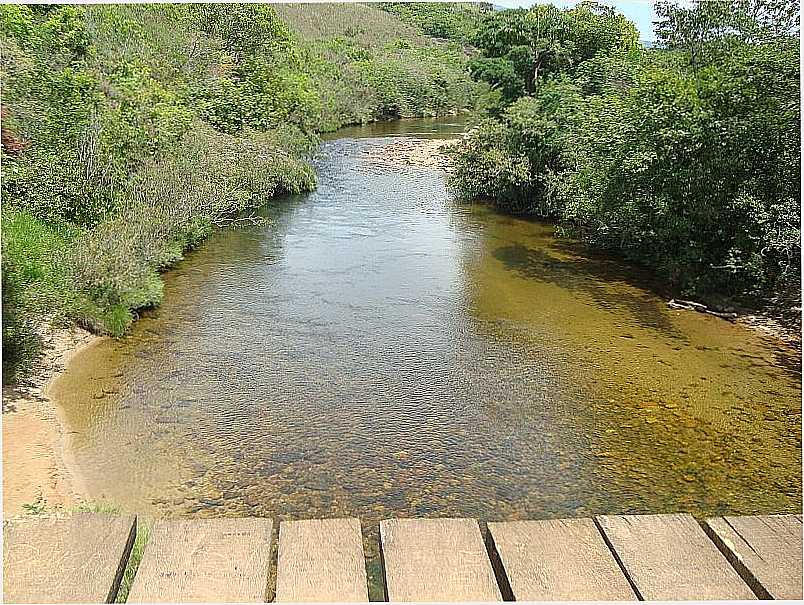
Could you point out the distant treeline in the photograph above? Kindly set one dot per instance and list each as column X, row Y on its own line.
column 131, row 131
column 684, row 157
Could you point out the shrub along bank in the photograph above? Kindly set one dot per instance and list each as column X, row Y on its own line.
column 685, row 158
column 130, row 132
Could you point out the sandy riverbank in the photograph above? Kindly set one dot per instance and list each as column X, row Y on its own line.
column 34, row 469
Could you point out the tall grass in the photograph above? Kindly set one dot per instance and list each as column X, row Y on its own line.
column 35, row 284
column 171, row 205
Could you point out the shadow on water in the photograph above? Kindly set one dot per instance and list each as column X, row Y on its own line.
column 588, row 276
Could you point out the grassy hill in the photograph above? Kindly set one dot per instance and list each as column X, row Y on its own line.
column 367, row 64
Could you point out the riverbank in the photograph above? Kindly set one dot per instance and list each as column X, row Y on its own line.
column 46, row 479
column 92, row 249
column 435, row 153
column 376, row 349
column 35, row 473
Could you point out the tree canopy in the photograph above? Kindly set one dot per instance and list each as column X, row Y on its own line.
column 685, row 157
column 535, row 43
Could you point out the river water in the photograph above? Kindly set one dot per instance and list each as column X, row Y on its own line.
column 377, row 350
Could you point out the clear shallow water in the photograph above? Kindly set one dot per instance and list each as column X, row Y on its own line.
column 378, row 350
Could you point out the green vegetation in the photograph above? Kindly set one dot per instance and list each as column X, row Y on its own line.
column 131, row 131
column 450, row 21
column 685, row 158
column 369, row 65
column 37, row 507
column 134, row 559
column 95, row 507
column 40, row 506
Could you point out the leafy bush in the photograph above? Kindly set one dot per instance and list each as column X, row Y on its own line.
column 514, row 160
column 488, row 165
column 687, row 160
column 368, row 65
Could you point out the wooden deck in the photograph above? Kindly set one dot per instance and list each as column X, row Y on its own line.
column 82, row 558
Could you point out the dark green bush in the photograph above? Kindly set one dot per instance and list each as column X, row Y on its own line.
column 686, row 160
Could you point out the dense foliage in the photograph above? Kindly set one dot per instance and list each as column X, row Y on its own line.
column 369, row 65
column 450, row 21
column 685, row 158
column 521, row 47
column 130, row 131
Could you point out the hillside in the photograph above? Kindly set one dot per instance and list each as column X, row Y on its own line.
column 366, row 64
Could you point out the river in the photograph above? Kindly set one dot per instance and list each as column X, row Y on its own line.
column 378, row 349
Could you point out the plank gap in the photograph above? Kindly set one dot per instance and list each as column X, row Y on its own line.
column 735, row 562
column 669, row 557
column 764, row 550
column 619, row 561
column 121, row 569
column 498, row 567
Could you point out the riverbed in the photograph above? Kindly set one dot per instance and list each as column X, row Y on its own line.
column 377, row 349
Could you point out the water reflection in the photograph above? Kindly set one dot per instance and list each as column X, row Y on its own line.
column 687, row 409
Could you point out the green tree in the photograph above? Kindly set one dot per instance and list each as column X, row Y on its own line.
column 710, row 29
column 685, row 158
column 545, row 40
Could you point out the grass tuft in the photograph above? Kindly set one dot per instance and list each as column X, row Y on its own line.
column 140, row 540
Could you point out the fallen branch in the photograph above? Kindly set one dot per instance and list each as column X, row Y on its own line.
column 689, row 305
column 686, row 304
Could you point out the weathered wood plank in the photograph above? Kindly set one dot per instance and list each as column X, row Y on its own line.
column 436, row 560
column 561, row 560
column 321, row 561
column 765, row 550
column 670, row 558
column 75, row 559
column 204, row 560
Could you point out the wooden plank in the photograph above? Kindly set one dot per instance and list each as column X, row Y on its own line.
column 204, row 560
column 436, row 560
column 765, row 550
column 75, row 559
column 561, row 560
column 670, row 558
column 321, row 561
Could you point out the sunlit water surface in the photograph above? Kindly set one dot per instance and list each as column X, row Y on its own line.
column 379, row 350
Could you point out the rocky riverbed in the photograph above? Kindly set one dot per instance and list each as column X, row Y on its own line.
column 414, row 152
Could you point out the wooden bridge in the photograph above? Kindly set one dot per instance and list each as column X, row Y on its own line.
column 82, row 558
